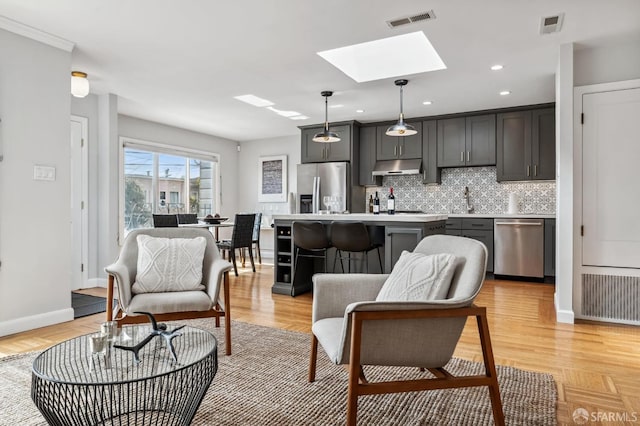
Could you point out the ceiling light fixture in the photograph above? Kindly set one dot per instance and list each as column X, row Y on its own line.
column 326, row 136
column 401, row 128
column 496, row 67
column 427, row 103
column 79, row 84
column 359, row 110
column 505, row 93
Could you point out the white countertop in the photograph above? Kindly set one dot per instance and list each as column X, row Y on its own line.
column 504, row 215
column 369, row 217
column 408, row 217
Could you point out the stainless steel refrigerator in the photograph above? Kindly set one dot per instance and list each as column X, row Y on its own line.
column 317, row 180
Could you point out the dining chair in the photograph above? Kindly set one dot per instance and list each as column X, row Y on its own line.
column 165, row 221
column 256, row 235
column 187, row 218
column 241, row 238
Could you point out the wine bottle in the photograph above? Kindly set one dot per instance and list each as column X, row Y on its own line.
column 391, row 202
column 370, row 203
column 376, row 204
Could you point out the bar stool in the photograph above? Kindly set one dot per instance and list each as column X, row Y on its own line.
column 312, row 239
column 353, row 237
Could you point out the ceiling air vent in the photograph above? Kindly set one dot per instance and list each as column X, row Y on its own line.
column 424, row 16
column 551, row 24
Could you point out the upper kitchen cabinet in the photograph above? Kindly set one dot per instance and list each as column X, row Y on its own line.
column 430, row 170
column 526, row 145
column 319, row 152
column 368, row 157
column 467, row 141
column 403, row 147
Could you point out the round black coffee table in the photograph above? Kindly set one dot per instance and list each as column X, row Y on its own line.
column 73, row 386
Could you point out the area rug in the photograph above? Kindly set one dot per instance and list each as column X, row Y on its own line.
column 85, row 304
column 264, row 382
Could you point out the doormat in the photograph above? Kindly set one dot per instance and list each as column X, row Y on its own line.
column 84, row 304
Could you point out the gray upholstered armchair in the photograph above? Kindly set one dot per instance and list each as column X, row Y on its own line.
column 199, row 298
column 355, row 329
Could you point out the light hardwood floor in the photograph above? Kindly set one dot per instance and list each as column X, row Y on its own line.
column 596, row 366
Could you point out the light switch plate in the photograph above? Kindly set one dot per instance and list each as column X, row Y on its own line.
column 44, row 173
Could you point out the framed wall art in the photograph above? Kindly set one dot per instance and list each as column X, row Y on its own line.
column 272, row 179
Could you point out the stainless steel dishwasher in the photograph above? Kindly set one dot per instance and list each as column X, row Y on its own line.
column 519, row 247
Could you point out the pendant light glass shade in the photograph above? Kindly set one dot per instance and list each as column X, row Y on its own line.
column 401, row 128
column 79, row 84
column 326, row 136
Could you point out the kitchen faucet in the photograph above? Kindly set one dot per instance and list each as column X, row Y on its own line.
column 466, row 199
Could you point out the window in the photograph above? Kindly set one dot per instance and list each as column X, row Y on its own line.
column 156, row 177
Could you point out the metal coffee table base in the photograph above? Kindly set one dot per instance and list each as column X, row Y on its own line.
column 168, row 399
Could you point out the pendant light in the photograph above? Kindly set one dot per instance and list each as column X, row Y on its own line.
column 401, row 128
column 326, row 136
column 79, row 84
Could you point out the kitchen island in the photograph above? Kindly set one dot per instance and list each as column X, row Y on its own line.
column 397, row 233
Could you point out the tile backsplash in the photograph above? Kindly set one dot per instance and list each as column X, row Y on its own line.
column 485, row 194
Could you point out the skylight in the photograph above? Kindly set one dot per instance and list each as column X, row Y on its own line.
column 254, row 100
column 388, row 57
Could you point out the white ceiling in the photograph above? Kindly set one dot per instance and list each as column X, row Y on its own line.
column 182, row 62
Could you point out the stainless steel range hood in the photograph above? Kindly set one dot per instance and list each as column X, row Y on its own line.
column 397, row 167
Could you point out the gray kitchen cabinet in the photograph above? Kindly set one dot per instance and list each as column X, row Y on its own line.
column 480, row 229
column 526, row 145
column 430, row 170
column 368, row 157
column 402, row 147
column 550, row 247
column 318, row 152
column 396, row 240
column 467, row 141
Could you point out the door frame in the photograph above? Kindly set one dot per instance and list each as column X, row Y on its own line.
column 79, row 206
column 578, row 268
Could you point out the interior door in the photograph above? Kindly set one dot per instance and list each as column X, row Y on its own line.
column 610, row 199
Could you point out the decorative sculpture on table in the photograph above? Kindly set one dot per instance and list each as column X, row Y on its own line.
column 158, row 330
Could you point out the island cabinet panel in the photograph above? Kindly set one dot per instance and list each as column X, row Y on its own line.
column 526, row 145
column 480, row 229
column 467, row 141
column 397, row 239
column 283, row 257
column 319, row 152
column 399, row 147
column 430, row 170
column 368, row 157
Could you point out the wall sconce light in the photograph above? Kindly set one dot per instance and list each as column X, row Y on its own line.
column 79, row 84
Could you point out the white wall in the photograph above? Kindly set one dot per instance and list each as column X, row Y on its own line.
column 605, row 64
column 35, row 216
column 250, row 151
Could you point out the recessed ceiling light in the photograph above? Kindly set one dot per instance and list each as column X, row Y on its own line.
column 497, row 67
column 388, row 57
column 427, row 103
column 505, row 93
column 336, row 106
column 254, row 100
column 299, row 117
column 359, row 110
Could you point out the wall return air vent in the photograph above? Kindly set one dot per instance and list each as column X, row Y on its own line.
column 424, row 16
column 551, row 24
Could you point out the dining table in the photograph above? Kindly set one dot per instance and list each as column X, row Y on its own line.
column 214, row 226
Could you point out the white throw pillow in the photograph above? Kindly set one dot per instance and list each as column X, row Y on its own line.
column 418, row 277
column 169, row 264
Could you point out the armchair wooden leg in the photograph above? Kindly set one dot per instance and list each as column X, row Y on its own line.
column 490, row 367
column 354, row 369
column 312, row 358
column 110, row 299
column 227, row 313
